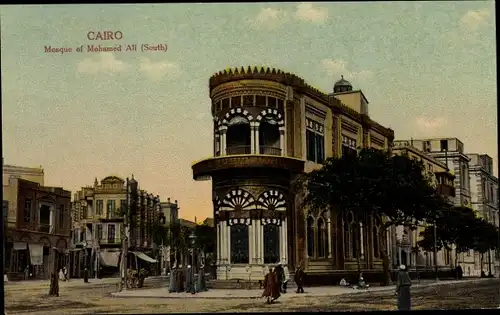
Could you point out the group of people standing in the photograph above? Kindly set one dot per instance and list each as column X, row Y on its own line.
column 276, row 280
column 182, row 279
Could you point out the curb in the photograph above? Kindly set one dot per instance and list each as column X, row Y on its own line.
column 184, row 295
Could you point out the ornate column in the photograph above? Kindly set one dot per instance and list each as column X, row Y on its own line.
column 362, row 240
column 219, row 243
column 329, row 235
column 251, row 243
column 257, row 145
column 260, row 242
column 228, row 243
column 253, row 132
column 222, row 143
column 223, row 242
column 282, row 140
column 282, row 241
column 217, row 144
column 285, row 242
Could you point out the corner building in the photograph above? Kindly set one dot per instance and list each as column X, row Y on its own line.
column 269, row 127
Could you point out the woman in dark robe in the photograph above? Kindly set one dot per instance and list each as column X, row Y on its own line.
column 403, row 285
column 271, row 287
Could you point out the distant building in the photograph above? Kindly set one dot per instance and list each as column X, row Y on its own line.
column 38, row 219
column 451, row 152
column 403, row 240
column 209, row 222
column 33, row 174
column 484, row 200
column 98, row 213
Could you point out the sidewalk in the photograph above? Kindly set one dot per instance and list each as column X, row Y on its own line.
column 255, row 294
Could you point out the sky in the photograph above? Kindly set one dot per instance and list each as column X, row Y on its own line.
column 427, row 69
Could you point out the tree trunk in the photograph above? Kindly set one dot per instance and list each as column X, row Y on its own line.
column 358, row 248
column 385, row 257
column 54, row 277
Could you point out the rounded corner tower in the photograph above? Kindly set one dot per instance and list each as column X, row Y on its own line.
column 252, row 169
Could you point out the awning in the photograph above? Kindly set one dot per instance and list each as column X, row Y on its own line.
column 20, row 246
column 36, row 254
column 145, row 257
column 109, row 259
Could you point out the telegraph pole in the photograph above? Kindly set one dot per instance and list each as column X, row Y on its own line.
column 125, row 236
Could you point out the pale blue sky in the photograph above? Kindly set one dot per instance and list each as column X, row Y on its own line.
column 427, row 68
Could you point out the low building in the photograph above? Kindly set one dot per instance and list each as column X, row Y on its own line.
column 404, row 241
column 38, row 219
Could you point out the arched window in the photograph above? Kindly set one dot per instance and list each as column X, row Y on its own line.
column 238, row 136
column 239, row 244
column 322, row 239
column 269, row 136
column 354, row 235
column 310, row 236
column 271, row 244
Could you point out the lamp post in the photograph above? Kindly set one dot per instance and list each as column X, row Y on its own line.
column 86, row 270
column 192, row 238
column 435, row 252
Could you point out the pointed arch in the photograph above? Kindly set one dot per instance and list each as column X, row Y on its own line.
column 273, row 200
column 235, row 112
column 237, row 199
column 273, row 116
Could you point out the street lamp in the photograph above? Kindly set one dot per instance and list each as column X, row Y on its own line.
column 85, row 272
column 192, row 238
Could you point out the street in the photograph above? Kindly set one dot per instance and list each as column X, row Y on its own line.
column 95, row 298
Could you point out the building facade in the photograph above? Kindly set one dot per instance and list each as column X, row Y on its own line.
column 98, row 214
column 270, row 126
column 451, row 152
column 38, row 219
column 403, row 241
column 484, row 200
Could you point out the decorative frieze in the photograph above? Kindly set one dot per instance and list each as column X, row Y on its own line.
column 266, row 221
column 243, row 221
column 273, row 114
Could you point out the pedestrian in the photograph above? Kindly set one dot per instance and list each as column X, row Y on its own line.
column 180, row 279
column 189, row 280
column 61, row 275
column 299, row 279
column 403, row 285
column 172, row 280
column 26, row 273
column 65, row 272
column 271, row 287
column 286, row 277
column 201, row 279
column 280, row 275
column 86, row 275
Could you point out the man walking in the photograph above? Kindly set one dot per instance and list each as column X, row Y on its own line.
column 299, row 279
column 280, row 276
column 403, row 289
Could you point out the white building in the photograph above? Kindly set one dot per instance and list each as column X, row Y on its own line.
column 484, row 200
column 450, row 151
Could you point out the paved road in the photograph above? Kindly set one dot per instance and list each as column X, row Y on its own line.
column 95, row 298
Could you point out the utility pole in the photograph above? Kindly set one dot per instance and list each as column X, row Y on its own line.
column 125, row 237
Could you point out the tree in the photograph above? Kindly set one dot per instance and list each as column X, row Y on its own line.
column 374, row 183
column 454, row 227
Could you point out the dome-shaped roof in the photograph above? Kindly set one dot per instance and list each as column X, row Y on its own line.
column 342, row 85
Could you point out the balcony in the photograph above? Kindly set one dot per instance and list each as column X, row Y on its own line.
column 267, row 150
column 446, row 190
column 36, row 227
column 239, row 149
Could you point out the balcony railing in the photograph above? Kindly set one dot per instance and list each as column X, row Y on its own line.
column 110, row 241
column 267, row 150
column 239, row 149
